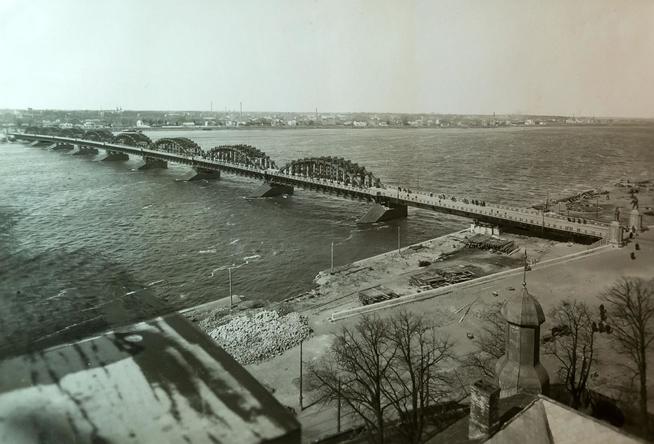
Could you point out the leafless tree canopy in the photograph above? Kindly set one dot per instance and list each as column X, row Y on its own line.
column 490, row 343
column 387, row 369
column 630, row 306
column 574, row 349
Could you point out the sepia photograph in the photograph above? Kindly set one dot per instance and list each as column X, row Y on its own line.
column 326, row 221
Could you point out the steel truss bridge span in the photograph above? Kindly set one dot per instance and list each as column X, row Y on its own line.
column 242, row 155
column 333, row 168
column 328, row 175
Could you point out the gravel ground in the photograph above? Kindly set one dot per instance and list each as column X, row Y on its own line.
column 260, row 336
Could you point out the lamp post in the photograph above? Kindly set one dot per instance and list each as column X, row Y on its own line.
column 231, row 301
column 338, row 408
column 547, row 202
column 596, row 207
column 332, row 261
column 301, row 406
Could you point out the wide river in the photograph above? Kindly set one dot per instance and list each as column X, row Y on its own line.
column 77, row 233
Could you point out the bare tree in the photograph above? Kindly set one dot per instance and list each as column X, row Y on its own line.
column 385, row 369
column 415, row 381
column 630, row 307
column 355, row 371
column 574, row 348
column 490, row 343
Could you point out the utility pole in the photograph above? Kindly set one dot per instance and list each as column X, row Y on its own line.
column 332, row 267
column 338, row 408
column 596, row 207
column 231, row 301
column 241, row 114
column 547, row 202
column 398, row 240
column 301, row 407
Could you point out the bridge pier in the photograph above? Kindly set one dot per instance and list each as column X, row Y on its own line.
column 478, row 227
column 85, row 150
column 63, row 147
column 635, row 220
column 42, row 143
column 382, row 213
column 615, row 234
column 152, row 163
column 116, row 156
column 204, row 174
column 271, row 189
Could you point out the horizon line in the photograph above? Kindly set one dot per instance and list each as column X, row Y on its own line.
column 331, row 112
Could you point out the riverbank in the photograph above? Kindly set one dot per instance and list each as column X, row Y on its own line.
column 393, row 273
column 559, row 271
column 606, row 203
column 339, row 290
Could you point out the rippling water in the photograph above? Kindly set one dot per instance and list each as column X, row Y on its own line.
column 77, row 233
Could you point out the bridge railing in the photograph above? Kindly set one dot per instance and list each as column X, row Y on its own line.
column 485, row 209
column 528, row 216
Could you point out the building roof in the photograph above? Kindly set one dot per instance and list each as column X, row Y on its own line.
column 537, row 419
column 523, row 309
column 546, row 421
column 158, row 381
column 457, row 433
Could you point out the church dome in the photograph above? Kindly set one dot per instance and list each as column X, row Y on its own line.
column 523, row 309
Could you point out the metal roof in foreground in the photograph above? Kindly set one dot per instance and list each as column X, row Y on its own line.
column 161, row 381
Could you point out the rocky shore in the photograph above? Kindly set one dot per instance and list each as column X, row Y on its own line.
column 256, row 337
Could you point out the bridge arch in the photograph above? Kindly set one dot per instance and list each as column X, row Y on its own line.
column 99, row 135
column 242, row 155
column 177, row 145
column 74, row 133
column 335, row 169
column 33, row 130
column 49, row 131
column 132, row 138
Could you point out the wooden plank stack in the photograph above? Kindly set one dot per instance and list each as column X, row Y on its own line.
column 376, row 294
column 485, row 242
column 440, row 278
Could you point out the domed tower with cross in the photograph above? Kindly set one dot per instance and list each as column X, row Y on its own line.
column 520, row 369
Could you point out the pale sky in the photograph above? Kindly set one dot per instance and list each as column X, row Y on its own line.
column 593, row 57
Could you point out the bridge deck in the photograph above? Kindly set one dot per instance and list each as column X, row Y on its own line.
column 493, row 213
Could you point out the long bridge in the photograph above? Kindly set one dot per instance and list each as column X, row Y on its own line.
column 330, row 175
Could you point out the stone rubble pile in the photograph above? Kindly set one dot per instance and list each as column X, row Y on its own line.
column 261, row 336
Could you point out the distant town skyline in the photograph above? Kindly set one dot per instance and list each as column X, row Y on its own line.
column 564, row 58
